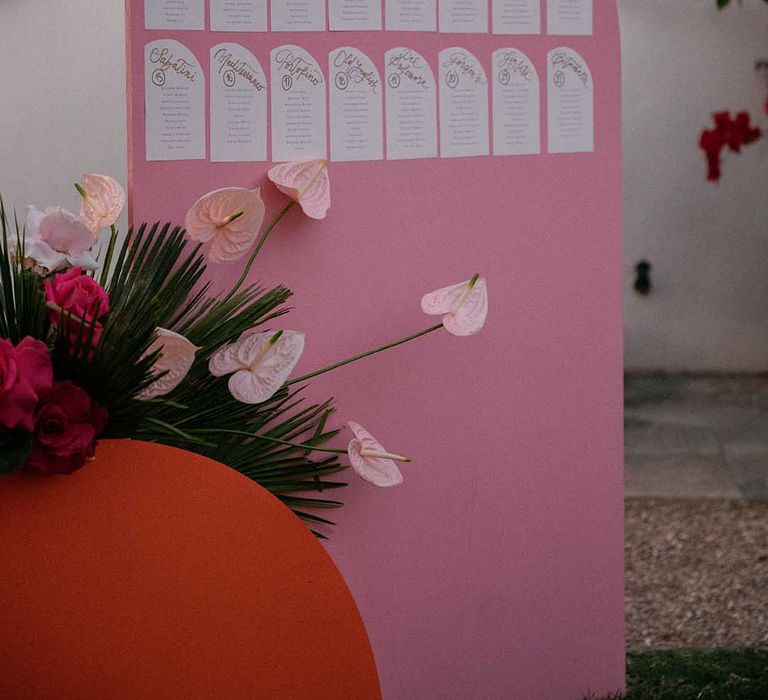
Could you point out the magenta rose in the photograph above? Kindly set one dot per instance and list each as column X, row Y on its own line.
column 80, row 295
column 25, row 373
column 67, row 423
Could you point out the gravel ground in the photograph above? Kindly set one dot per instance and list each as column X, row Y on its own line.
column 696, row 573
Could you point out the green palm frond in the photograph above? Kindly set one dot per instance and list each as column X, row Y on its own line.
column 156, row 280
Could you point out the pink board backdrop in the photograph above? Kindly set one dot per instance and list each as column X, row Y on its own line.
column 496, row 570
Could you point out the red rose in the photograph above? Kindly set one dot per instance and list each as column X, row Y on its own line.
column 25, row 372
column 80, row 295
column 67, row 423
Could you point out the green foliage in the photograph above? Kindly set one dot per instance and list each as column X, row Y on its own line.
column 690, row 674
column 156, row 280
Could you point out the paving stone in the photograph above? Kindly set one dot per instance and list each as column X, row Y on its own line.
column 679, row 476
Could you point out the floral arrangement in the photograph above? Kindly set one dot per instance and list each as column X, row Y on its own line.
column 127, row 342
column 728, row 132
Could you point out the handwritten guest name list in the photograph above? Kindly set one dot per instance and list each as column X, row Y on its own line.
column 464, row 16
column 356, row 90
column 174, row 14
column 516, row 122
column 238, row 105
column 298, row 105
column 411, row 100
column 463, row 104
column 239, row 15
column 354, row 15
column 298, row 15
column 571, row 125
column 516, row 16
column 411, row 15
column 174, row 103
column 569, row 17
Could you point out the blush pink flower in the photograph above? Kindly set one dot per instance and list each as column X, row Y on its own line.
column 371, row 461
column 259, row 364
column 67, row 423
column 177, row 355
column 463, row 306
column 229, row 218
column 79, row 295
column 57, row 239
column 307, row 183
column 103, row 201
column 25, row 373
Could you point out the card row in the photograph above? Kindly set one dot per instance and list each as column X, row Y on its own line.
column 355, row 98
column 462, row 16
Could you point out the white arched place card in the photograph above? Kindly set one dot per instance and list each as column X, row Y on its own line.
column 411, row 99
column 463, row 104
column 355, row 89
column 571, row 109
column 298, row 105
column 516, row 108
column 238, row 105
column 174, row 102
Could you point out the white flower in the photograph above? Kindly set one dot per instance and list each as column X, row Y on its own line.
column 259, row 364
column 371, row 461
column 177, row 355
column 464, row 306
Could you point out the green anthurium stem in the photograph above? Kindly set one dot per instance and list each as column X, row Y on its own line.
column 355, row 358
column 259, row 245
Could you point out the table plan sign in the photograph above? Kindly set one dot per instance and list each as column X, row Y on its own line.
column 571, row 103
column 461, row 137
column 238, row 105
column 411, row 106
column 175, row 102
column 238, row 15
column 463, row 105
column 355, row 106
column 351, row 15
column 411, row 15
column 516, row 104
column 298, row 105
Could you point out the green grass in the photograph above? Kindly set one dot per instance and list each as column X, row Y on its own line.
column 683, row 674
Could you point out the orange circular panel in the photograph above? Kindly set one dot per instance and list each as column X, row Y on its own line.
column 157, row 573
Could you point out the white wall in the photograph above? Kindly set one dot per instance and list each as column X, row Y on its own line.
column 708, row 243
column 62, row 113
column 62, row 97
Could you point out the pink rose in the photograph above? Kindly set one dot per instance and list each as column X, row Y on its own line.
column 25, row 373
column 67, row 423
column 80, row 295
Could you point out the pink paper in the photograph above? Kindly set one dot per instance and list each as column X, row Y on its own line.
column 495, row 570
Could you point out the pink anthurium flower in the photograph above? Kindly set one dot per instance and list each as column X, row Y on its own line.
column 177, row 355
column 103, row 201
column 371, row 461
column 259, row 364
column 57, row 239
column 305, row 182
column 464, row 306
column 230, row 218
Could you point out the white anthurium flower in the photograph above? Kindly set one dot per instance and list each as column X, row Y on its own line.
column 259, row 364
column 57, row 239
column 464, row 306
column 177, row 355
column 371, row 461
